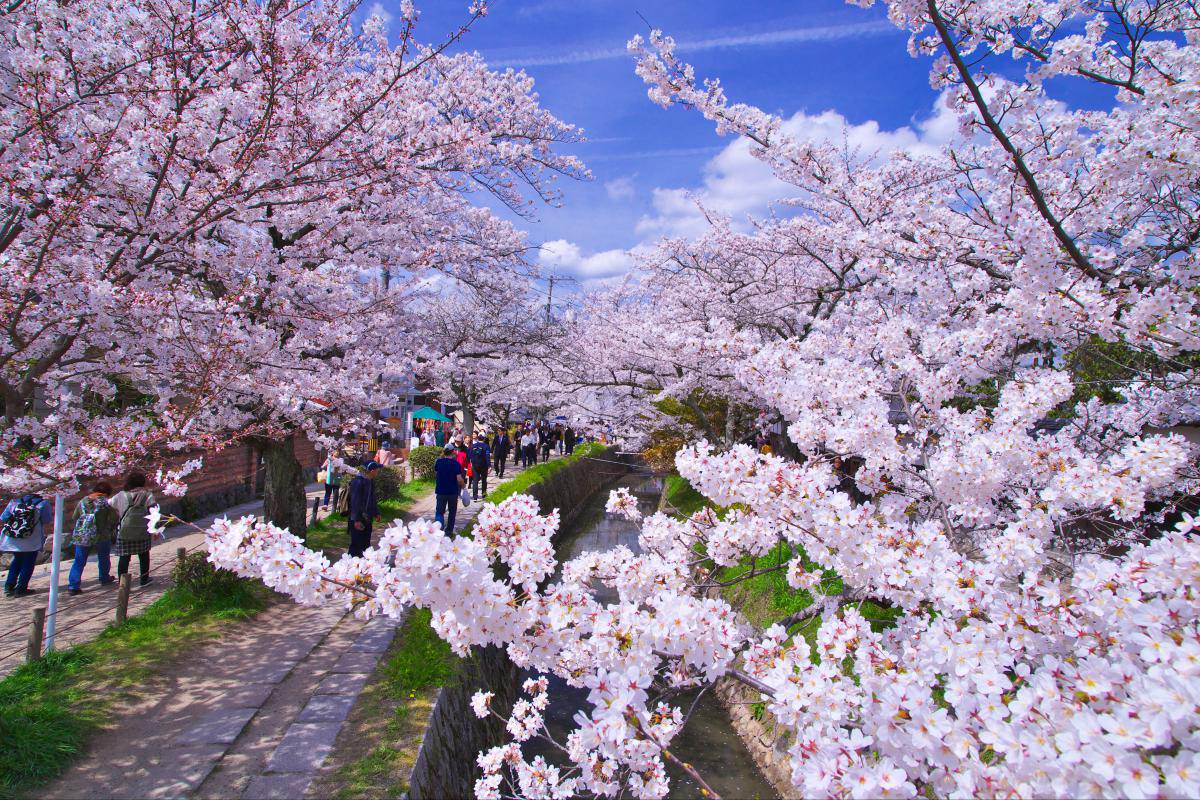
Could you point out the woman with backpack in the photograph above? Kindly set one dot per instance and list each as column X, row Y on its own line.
column 95, row 528
column 131, row 505
column 23, row 533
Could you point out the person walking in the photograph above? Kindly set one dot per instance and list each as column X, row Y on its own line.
column 95, row 528
column 362, row 508
column 449, row 479
column 427, row 439
column 23, row 533
column 480, row 456
column 131, row 505
column 546, row 441
column 528, row 448
column 569, row 436
column 500, row 447
column 330, row 479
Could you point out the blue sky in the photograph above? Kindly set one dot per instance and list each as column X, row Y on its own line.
column 797, row 59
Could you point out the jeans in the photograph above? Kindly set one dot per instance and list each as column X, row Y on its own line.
column 480, row 477
column 20, row 571
column 446, row 511
column 103, row 565
column 328, row 492
column 143, row 565
column 359, row 540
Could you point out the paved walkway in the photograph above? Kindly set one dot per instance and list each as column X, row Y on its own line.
column 252, row 715
column 83, row 617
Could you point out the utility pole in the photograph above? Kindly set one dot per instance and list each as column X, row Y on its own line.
column 549, row 299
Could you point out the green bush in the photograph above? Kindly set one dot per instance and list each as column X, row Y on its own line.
column 388, row 483
column 204, row 581
column 421, row 459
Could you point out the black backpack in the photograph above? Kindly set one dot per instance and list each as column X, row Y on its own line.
column 22, row 518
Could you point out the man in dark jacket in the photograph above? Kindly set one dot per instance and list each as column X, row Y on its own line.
column 569, row 435
column 362, row 508
column 480, row 456
column 448, row 482
column 500, row 447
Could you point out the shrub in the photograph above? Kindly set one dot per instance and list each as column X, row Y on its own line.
column 388, row 482
column 188, row 509
column 422, row 459
column 195, row 574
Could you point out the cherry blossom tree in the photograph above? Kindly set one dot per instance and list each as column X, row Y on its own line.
column 213, row 214
column 922, row 317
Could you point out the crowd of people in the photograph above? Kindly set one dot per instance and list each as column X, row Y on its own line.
column 108, row 523
column 467, row 461
column 105, row 523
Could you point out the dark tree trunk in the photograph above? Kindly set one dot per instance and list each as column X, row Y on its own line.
column 284, row 500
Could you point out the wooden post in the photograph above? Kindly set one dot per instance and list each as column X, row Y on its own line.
column 316, row 510
column 123, row 599
column 180, row 557
column 34, row 651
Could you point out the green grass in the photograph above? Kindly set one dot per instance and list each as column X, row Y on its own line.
column 395, row 706
column 329, row 534
column 424, row 660
column 49, row 709
column 766, row 598
column 539, row 472
column 682, row 497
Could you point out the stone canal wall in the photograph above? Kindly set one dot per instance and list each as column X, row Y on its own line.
column 445, row 765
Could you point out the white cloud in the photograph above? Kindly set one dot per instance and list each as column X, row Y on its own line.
column 566, row 258
column 824, row 33
column 377, row 10
column 738, row 185
column 675, row 152
column 620, row 189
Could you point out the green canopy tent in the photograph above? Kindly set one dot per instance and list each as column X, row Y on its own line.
column 425, row 412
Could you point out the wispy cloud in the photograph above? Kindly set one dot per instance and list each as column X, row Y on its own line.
column 825, row 33
column 670, row 153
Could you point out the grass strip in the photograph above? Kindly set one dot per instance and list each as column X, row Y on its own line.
column 392, row 713
column 49, row 709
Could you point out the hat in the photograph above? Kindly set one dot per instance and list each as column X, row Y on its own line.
column 449, row 448
column 371, row 465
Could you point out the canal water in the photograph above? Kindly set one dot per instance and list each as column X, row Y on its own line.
column 708, row 741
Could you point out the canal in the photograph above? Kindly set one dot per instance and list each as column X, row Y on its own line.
column 708, row 741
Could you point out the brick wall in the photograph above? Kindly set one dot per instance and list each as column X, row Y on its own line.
column 228, row 477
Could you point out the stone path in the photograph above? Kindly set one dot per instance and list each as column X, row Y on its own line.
column 252, row 715
column 83, row 617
